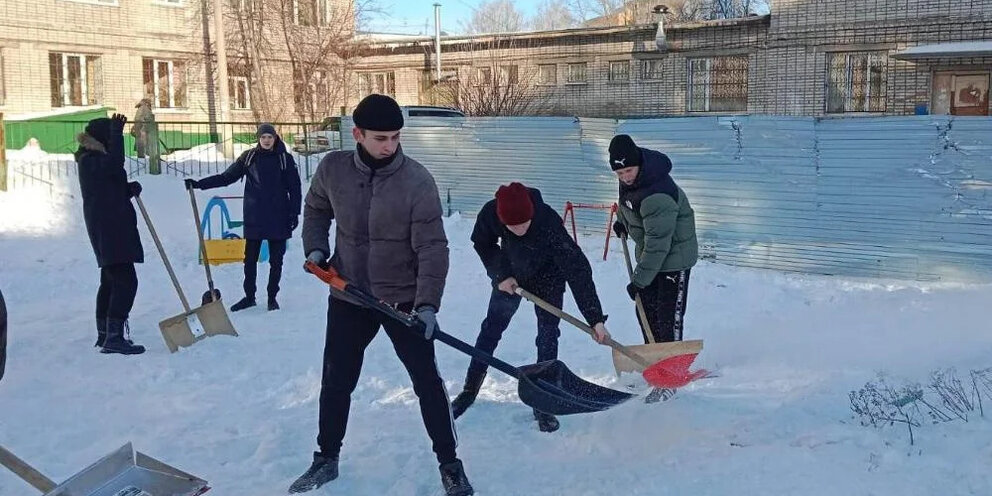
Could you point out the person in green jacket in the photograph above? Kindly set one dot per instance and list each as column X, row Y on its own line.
column 656, row 214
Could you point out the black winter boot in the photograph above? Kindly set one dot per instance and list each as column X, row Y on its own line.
column 473, row 383
column 243, row 303
column 117, row 342
column 324, row 469
column 454, row 480
column 273, row 304
column 659, row 394
column 101, row 331
column 546, row 422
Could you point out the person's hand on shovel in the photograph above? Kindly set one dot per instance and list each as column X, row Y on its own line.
column 601, row 333
column 509, row 285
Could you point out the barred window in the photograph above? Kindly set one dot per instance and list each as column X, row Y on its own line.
column 547, row 74
column 508, row 74
column 75, row 80
column 575, row 73
column 619, row 71
column 383, row 83
column 483, row 76
column 718, row 84
column 651, row 69
column 240, row 91
column 165, row 82
column 309, row 12
column 856, row 82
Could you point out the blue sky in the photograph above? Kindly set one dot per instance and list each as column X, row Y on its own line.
column 410, row 16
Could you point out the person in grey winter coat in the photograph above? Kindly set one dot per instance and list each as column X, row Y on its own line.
column 271, row 207
column 112, row 226
column 389, row 239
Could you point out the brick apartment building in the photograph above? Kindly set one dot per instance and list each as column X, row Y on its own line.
column 814, row 58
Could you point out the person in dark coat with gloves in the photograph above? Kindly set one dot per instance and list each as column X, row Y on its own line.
column 112, row 226
column 523, row 242
column 271, row 207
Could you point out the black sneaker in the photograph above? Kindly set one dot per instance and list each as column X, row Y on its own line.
column 324, row 469
column 454, row 480
column 243, row 303
column 659, row 394
column 273, row 304
column 546, row 422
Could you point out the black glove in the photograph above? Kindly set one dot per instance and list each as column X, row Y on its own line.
column 633, row 290
column 293, row 222
column 191, row 184
column 428, row 316
column 118, row 121
column 319, row 259
column 619, row 229
column 134, row 187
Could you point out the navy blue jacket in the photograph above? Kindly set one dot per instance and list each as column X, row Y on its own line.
column 545, row 256
column 272, row 190
column 110, row 219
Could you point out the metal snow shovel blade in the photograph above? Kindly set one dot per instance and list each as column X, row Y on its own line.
column 193, row 324
column 121, row 473
column 212, row 294
column 547, row 386
column 670, row 371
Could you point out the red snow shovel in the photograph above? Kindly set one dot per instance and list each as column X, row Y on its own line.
column 669, row 373
column 546, row 386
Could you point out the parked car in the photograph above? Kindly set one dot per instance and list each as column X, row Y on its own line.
column 327, row 136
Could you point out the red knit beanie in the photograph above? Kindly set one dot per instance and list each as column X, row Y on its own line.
column 513, row 204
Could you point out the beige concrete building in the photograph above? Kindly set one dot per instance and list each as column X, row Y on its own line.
column 833, row 57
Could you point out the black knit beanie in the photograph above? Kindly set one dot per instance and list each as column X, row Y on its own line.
column 265, row 128
column 378, row 113
column 624, row 153
column 99, row 129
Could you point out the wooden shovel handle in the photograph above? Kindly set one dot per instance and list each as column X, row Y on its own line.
column 203, row 245
column 581, row 325
column 641, row 314
column 26, row 472
column 161, row 252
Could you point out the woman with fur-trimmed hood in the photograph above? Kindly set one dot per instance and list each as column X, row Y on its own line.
column 112, row 226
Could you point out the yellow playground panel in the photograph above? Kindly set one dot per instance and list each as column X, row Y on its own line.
column 228, row 246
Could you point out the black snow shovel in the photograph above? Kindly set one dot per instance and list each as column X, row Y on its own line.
column 546, row 386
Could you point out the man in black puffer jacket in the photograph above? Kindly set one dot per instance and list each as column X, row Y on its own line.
column 112, row 226
column 271, row 207
column 523, row 242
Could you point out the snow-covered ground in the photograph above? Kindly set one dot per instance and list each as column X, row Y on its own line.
column 242, row 412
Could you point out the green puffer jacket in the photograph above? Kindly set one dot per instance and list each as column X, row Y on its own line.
column 663, row 229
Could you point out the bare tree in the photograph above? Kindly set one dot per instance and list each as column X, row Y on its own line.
column 589, row 9
column 496, row 85
column 554, row 14
column 495, row 16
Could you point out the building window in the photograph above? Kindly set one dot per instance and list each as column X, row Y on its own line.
column 97, row 2
column 718, row 84
column 3, row 87
column 383, row 83
column 75, row 79
column 651, row 69
column 619, row 71
column 575, row 73
column 483, row 76
column 312, row 12
column 547, row 74
column 165, row 82
column 856, row 82
column 171, row 3
column 240, row 90
column 508, row 74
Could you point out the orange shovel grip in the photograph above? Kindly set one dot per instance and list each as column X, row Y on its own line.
column 330, row 276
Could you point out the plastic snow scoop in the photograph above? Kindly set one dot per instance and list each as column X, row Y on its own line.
column 546, row 386
column 194, row 324
column 658, row 373
column 212, row 294
column 121, row 473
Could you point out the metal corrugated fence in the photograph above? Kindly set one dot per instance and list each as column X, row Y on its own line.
column 899, row 197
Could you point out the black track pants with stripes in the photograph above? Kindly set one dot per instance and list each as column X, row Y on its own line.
column 664, row 302
column 350, row 329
